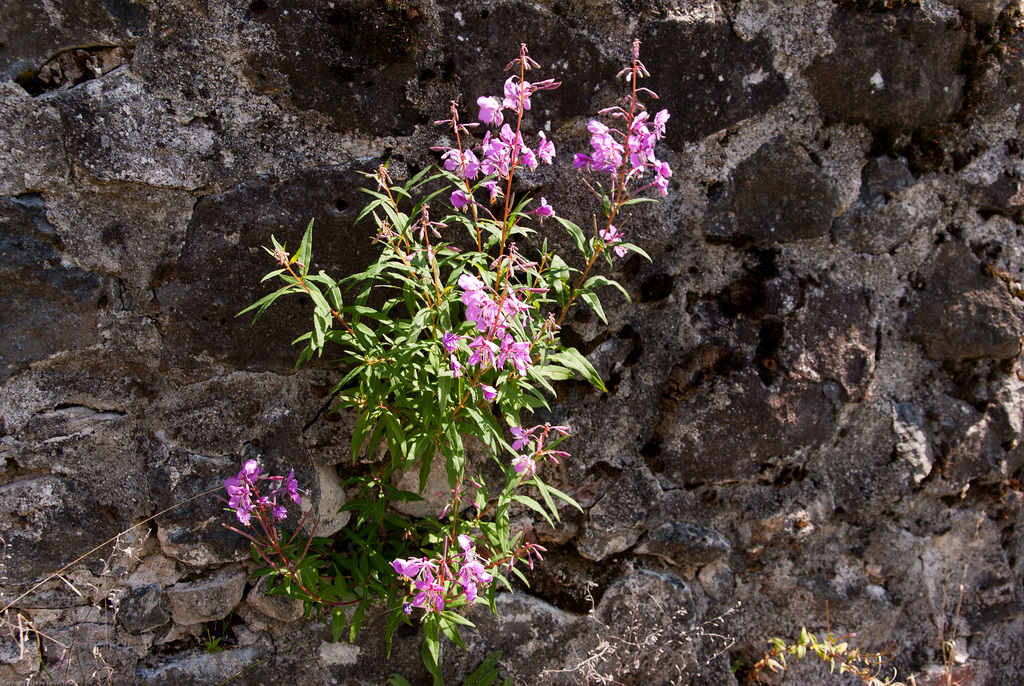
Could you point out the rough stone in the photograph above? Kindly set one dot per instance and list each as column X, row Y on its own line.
column 193, row 530
column 27, row 162
column 718, row 581
column 981, row 11
column 74, row 66
column 640, row 613
column 1003, row 196
column 714, row 80
column 125, row 231
column 892, row 71
column 703, row 446
column 881, row 222
column 961, row 313
column 776, row 195
column 836, row 405
column 222, row 263
column 20, row 656
column 36, row 512
column 32, row 31
column 117, row 130
column 50, row 305
column 685, row 544
column 912, row 442
column 140, row 611
column 202, row 668
column 208, row 599
column 276, row 607
column 338, row 60
column 831, row 339
column 617, row 519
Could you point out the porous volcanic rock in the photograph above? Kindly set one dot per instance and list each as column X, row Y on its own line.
column 892, row 71
column 962, row 313
column 776, row 195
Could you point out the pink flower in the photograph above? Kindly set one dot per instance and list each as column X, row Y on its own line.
column 545, row 149
column 450, row 341
column 611, row 236
column 514, row 91
column 492, row 188
column 472, row 571
column 517, row 352
column 525, row 464
column 490, row 110
column 660, row 119
column 431, row 593
column 581, row 161
column 251, row 470
column 463, row 163
column 460, row 200
column 409, row 569
column 483, row 352
column 242, row 488
column 521, row 435
column 545, row 210
column 661, row 183
column 490, row 392
column 291, row 485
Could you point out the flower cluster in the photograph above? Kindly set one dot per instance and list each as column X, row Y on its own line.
column 244, row 497
column 613, row 238
column 423, row 575
column 428, row 578
column 500, row 153
column 625, row 153
column 637, row 137
column 472, row 570
column 493, row 315
column 637, row 144
column 533, row 440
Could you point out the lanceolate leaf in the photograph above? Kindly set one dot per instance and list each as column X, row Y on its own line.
column 571, row 358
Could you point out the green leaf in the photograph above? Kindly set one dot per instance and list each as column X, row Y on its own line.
column 575, row 232
column 398, row 680
column 595, row 304
column 637, row 201
column 637, row 249
column 430, row 650
column 546, row 494
column 321, row 325
column 318, row 298
column 337, row 624
column 396, row 617
column 533, row 505
column 266, row 301
column 485, row 674
column 599, row 280
column 357, row 622
column 450, row 628
column 305, row 254
column 567, row 499
column 572, row 359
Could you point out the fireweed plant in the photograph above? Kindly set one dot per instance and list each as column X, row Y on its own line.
column 465, row 343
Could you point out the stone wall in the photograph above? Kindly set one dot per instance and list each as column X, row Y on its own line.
column 815, row 398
